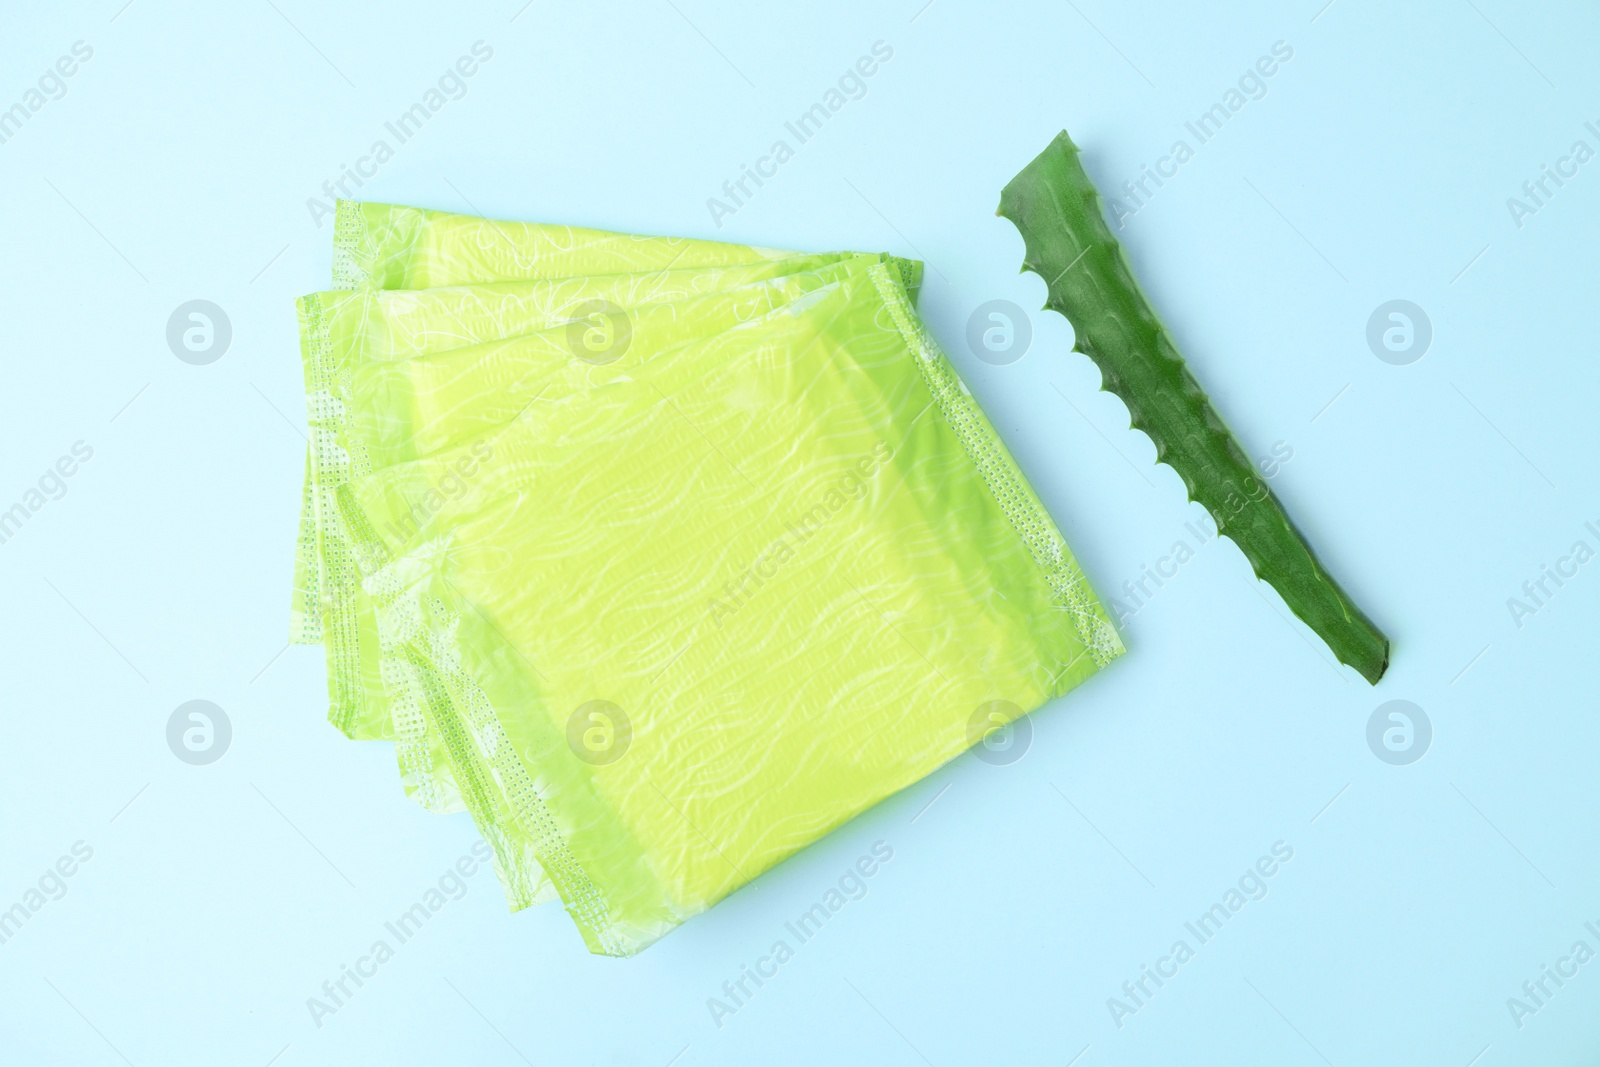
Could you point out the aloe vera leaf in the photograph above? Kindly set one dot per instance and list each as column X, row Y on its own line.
column 1055, row 206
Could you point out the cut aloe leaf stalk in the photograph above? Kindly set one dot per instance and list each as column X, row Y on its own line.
column 1056, row 208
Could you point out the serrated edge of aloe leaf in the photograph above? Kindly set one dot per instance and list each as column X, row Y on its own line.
column 1058, row 211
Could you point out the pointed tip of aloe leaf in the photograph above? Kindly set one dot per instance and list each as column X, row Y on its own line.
column 1380, row 670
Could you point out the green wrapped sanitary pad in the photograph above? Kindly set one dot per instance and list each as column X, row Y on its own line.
column 380, row 247
column 367, row 412
column 661, row 611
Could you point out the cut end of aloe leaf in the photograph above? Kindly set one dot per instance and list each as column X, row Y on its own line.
column 1058, row 211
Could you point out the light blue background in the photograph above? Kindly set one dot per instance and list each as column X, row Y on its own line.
column 178, row 165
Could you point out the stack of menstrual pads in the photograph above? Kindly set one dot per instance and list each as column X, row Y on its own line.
column 660, row 557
